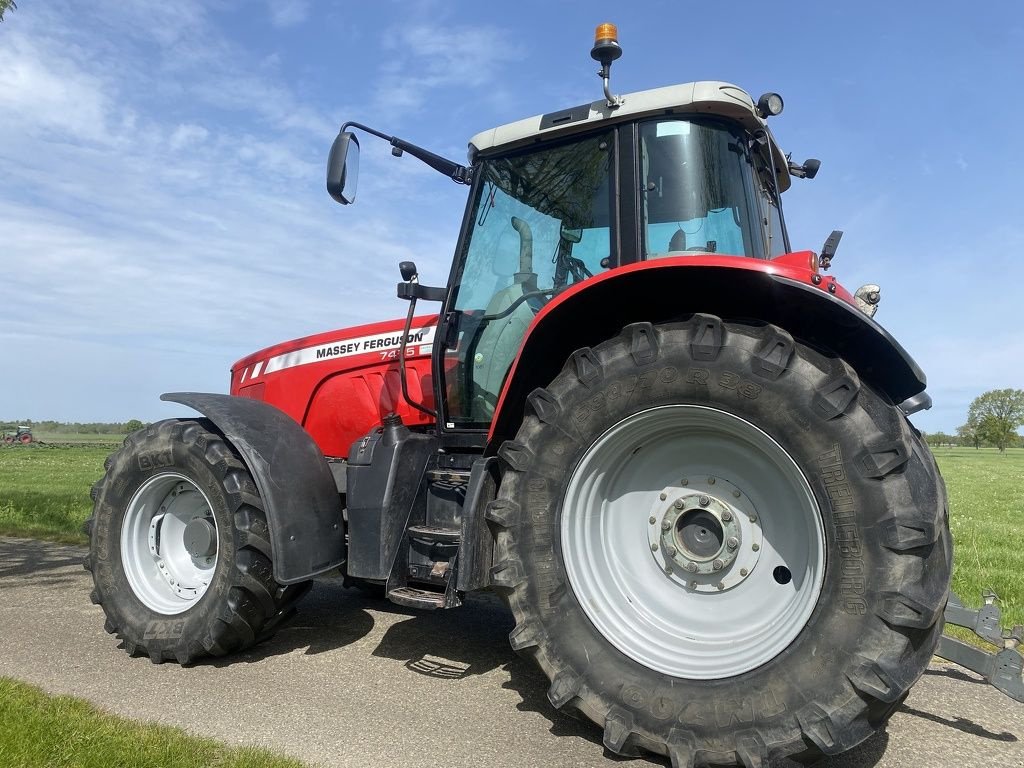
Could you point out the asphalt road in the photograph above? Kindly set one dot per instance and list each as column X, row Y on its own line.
column 361, row 682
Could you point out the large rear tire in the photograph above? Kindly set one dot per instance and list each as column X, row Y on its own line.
column 179, row 547
column 720, row 545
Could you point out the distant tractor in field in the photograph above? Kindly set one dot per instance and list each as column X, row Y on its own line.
column 21, row 434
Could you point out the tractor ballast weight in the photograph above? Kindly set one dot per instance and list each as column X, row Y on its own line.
column 676, row 447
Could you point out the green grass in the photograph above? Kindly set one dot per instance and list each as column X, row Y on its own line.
column 58, row 731
column 986, row 504
column 44, row 491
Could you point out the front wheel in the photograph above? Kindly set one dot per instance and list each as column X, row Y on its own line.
column 719, row 545
column 180, row 549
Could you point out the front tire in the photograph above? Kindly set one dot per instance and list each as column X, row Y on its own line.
column 180, row 549
column 798, row 641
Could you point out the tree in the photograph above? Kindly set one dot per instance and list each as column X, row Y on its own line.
column 996, row 415
column 133, row 425
column 7, row 5
column 969, row 435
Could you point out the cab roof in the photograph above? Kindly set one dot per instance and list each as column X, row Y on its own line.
column 707, row 97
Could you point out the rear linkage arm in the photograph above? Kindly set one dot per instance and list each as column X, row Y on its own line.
column 1004, row 669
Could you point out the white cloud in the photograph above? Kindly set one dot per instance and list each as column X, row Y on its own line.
column 187, row 134
column 423, row 57
column 288, row 13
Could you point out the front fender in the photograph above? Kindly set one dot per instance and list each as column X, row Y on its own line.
column 745, row 290
column 307, row 531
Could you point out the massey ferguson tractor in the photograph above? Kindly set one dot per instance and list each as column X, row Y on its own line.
column 675, row 446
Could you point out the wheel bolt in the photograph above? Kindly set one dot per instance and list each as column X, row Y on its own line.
column 654, row 547
column 684, row 481
column 671, row 551
column 721, row 585
column 691, row 567
column 693, row 585
column 711, row 481
column 663, row 496
column 679, row 503
column 718, row 565
column 652, row 519
column 736, row 493
column 665, row 525
column 753, row 518
column 668, row 569
column 727, row 516
column 744, row 571
column 733, row 542
column 756, row 547
column 704, row 501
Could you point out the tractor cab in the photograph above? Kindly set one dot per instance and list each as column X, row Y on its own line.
column 558, row 198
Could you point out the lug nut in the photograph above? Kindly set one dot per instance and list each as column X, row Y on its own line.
column 718, row 565
column 671, row 551
column 652, row 519
column 693, row 585
column 654, row 547
column 736, row 493
column 727, row 516
column 753, row 518
column 679, row 504
column 665, row 525
column 756, row 547
column 721, row 585
column 668, row 569
column 733, row 542
column 663, row 496
column 691, row 567
column 711, row 481
column 704, row 501
column 744, row 571
column 684, row 481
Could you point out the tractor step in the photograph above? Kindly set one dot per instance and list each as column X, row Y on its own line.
column 413, row 597
column 435, row 534
column 450, row 477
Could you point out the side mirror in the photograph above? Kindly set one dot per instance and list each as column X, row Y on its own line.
column 343, row 168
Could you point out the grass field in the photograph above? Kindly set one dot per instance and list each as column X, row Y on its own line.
column 60, row 731
column 44, row 493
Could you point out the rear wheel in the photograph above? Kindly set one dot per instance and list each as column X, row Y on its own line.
column 25, row 438
column 180, row 549
column 719, row 545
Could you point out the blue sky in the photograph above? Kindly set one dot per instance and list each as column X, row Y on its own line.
column 162, row 210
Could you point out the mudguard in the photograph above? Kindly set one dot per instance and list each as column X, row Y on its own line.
column 307, row 531
column 665, row 290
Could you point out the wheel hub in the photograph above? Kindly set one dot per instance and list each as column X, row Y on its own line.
column 169, row 543
column 692, row 541
column 705, row 534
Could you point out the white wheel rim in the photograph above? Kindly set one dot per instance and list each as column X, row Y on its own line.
column 643, row 599
column 163, row 565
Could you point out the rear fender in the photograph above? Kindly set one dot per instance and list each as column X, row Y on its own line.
column 307, row 531
column 735, row 289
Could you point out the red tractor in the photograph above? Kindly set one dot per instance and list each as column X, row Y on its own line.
column 675, row 446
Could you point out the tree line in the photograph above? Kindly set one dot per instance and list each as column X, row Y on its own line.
column 992, row 420
column 79, row 427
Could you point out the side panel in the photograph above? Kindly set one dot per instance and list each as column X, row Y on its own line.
column 732, row 288
column 307, row 531
column 338, row 385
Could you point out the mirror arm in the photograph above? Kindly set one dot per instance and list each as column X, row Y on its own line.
column 457, row 173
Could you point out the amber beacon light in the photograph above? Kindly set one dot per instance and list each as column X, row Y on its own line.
column 606, row 50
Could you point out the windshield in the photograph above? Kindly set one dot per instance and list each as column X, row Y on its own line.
column 541, row 223
column 698, row 190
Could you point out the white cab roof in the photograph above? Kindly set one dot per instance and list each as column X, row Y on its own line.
column 708, row 97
